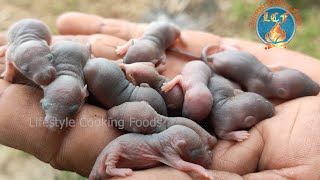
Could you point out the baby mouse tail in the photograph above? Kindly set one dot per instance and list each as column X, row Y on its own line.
column 204, row 55
column 184, row 53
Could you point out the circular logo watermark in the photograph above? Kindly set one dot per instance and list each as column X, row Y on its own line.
column 276, row 27
column 275, row 23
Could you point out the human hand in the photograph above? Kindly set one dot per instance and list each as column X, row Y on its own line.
column 284, row 146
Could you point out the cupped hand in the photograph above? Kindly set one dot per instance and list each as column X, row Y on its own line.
column 286, row 146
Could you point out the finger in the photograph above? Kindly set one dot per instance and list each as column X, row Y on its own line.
column 105, row 46
column 84, row 39
column 3, row 39
column 101, row 45
column 80, row 23
column 74, row 149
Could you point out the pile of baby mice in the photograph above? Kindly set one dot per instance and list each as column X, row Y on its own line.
column 222, row 94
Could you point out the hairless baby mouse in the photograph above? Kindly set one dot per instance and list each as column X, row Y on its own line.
column 178, row 146
column 194, row 80
column 234, row 111
column 246, row 69
column 145, row 72
column 151, row 46
column 28, row 52
column 109, row 86
column 67, row 93
column 140, row 117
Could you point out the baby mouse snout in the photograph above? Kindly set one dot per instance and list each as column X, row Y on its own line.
column 46, row 76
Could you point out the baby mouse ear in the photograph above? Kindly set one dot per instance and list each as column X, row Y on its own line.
column 250, row 121
column 84, row 92
column 181, row 145
column 282, row 93
column 41, row 100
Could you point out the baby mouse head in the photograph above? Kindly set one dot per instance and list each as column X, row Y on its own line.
column 254, row 108
column 63, row 98
column 165, row 31
column 291, row 83
column 33, row 59
column 190, row 146
column 242, row 111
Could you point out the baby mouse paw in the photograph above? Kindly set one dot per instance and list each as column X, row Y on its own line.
column 169, row 85
column 236, row 135
column 121, row 50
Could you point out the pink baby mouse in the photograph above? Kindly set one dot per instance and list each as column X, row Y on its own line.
column 28, row 53
column 178, row 146
column 194, row 79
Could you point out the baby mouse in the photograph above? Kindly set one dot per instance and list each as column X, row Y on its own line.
column 146, row 72
column 64, row 97
column 28, row 52
column 234, row 111
column 108, row 84
column 194, row 79
column 151, row 46
column 178, row 146
column 140, row 117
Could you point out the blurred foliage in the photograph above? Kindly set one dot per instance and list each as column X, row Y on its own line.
column 65, row 175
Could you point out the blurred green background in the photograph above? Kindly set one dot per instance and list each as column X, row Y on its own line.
column 224, row 18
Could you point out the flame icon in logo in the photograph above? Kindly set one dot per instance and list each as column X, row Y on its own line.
column 276, row 37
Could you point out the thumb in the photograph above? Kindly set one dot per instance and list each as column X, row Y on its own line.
column 74, row 23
